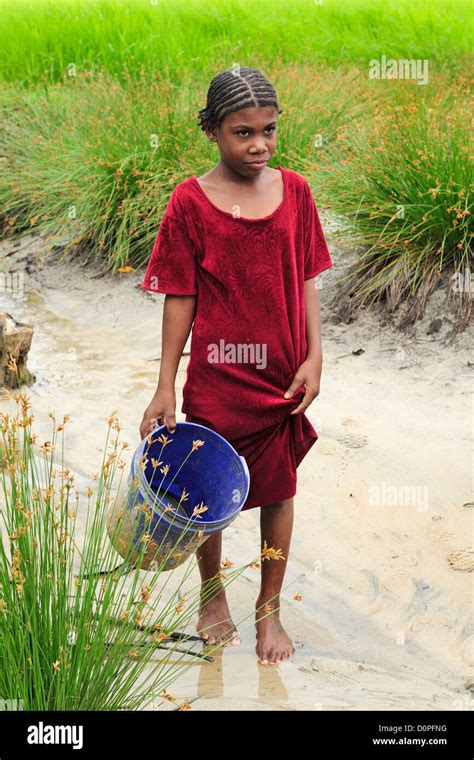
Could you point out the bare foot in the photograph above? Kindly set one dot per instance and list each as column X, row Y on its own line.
column 273, row 642
column 214, row 622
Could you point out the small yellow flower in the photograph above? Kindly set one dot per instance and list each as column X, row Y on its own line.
column 227, row 563
column 168, row 696
column 271, row 553
column 66, row 419
column 158, row 636
column 12, row 366
column 112, row 421
column 164, row 440
column 145, row 593
column 197, row 445
column 198, row 509
column 165, row 470
column 56, row 665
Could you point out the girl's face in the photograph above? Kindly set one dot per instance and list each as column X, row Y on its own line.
column 246, row 136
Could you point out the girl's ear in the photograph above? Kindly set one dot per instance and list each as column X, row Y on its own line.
column 211, row 133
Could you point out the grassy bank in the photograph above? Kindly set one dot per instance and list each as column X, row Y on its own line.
column 99, row 124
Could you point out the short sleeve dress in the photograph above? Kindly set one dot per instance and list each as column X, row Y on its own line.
column 249, row 331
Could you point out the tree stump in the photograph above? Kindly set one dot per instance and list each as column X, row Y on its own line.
column 15, row 342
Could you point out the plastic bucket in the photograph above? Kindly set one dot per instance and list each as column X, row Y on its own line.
column 182, row 487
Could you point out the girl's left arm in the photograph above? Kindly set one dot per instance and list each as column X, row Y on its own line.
column 309, row 372
column 313, row 321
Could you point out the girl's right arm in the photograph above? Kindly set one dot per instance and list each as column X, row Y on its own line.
column 178, row 317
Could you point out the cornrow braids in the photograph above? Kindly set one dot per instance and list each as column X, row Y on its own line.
column 232, row 90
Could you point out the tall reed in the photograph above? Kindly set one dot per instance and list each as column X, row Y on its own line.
column 72, row 635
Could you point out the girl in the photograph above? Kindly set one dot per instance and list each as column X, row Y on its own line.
column 237, row 253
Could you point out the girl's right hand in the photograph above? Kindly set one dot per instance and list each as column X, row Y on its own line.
column 162, row 409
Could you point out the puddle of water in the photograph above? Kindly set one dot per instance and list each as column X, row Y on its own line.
column 237, row 675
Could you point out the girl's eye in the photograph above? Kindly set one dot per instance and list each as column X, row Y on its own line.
column 245, row 131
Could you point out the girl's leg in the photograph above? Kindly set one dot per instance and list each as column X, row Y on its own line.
column 214, row 623
column 276, row 526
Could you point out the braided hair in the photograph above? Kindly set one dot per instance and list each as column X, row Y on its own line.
column 232, row 90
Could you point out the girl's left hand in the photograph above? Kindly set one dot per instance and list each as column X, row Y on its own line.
column 309, row 375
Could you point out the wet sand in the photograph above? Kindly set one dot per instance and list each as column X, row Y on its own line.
column 382, row 544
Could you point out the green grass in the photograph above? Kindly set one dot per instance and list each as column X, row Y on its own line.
column 38, row 40
column 405, row 182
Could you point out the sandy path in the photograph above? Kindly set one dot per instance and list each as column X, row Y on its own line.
column 382, row 544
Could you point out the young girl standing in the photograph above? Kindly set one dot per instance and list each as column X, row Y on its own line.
column 237, row 253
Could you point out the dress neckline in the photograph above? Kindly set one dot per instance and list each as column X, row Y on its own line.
column 246, row 218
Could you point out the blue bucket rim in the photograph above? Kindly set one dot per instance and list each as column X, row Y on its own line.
column 241, row 458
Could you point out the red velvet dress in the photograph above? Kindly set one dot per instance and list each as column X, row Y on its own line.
column 249, row 332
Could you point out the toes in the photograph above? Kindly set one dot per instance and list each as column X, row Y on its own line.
column 222, row 641
column 235, row 641
column 273, row 659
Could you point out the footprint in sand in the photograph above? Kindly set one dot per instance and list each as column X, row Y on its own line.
column 461, row 559
column 458, row 555
column 348, row 422
column 353, row 441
